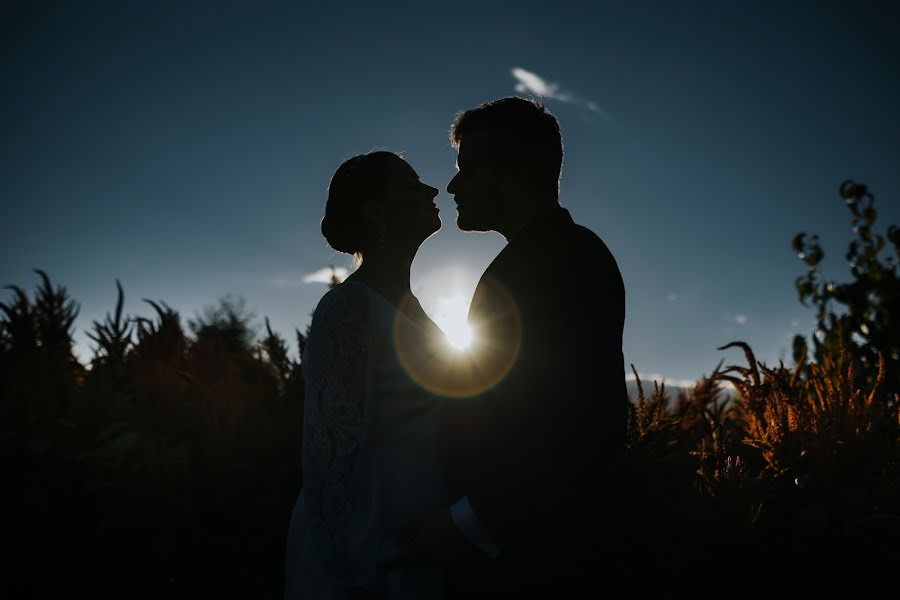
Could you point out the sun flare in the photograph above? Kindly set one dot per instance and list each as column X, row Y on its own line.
column 451, row 316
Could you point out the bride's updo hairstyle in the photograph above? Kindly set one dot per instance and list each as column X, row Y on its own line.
column 359, row 181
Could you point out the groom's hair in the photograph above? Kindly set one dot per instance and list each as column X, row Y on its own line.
column 526, row 135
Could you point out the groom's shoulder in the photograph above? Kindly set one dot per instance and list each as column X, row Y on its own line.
column 569, row 232
column 594, row 260
column 588, row 243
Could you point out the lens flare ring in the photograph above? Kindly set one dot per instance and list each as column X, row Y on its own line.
column 435, row 362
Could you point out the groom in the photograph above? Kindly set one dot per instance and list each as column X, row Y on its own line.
column 531, row 452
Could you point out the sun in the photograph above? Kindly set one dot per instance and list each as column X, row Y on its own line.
column 451, row 316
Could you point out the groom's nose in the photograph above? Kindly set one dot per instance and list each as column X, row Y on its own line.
column 451, row 187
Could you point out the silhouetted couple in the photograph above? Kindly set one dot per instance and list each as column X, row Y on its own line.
column 429, row 474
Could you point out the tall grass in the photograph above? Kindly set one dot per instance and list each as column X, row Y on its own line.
column 170, row 466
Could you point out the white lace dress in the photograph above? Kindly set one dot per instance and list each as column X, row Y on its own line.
column 371, row 452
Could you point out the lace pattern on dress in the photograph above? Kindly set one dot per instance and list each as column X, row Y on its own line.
column 334, row 428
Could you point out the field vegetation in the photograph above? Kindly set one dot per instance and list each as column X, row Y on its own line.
column 169, row 465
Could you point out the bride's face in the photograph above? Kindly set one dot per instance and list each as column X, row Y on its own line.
column 410, row 211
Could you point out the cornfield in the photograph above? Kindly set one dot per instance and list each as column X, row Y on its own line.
column 169, row 467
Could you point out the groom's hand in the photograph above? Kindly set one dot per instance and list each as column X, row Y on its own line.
column 431, row 540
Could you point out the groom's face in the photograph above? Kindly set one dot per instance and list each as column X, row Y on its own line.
column 477, row 187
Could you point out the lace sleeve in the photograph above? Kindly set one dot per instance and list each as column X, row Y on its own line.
column 334, row 424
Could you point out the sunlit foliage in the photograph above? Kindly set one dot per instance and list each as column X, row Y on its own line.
column 862, row 314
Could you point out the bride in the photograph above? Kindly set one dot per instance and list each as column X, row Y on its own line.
column 371, row 445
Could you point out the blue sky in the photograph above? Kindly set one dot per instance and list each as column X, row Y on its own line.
column 186, row 149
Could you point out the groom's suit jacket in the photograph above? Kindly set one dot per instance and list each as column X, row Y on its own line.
column 532, row 452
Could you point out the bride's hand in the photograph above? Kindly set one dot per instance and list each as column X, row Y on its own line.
column 429, row 541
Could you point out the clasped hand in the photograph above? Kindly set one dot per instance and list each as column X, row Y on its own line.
column 431, row 540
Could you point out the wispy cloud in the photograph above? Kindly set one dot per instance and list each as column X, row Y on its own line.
column 534, row 83
column 739, row 318
column 647, row 382
column 682, row 383
column 529, row 82
column 325, row 274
